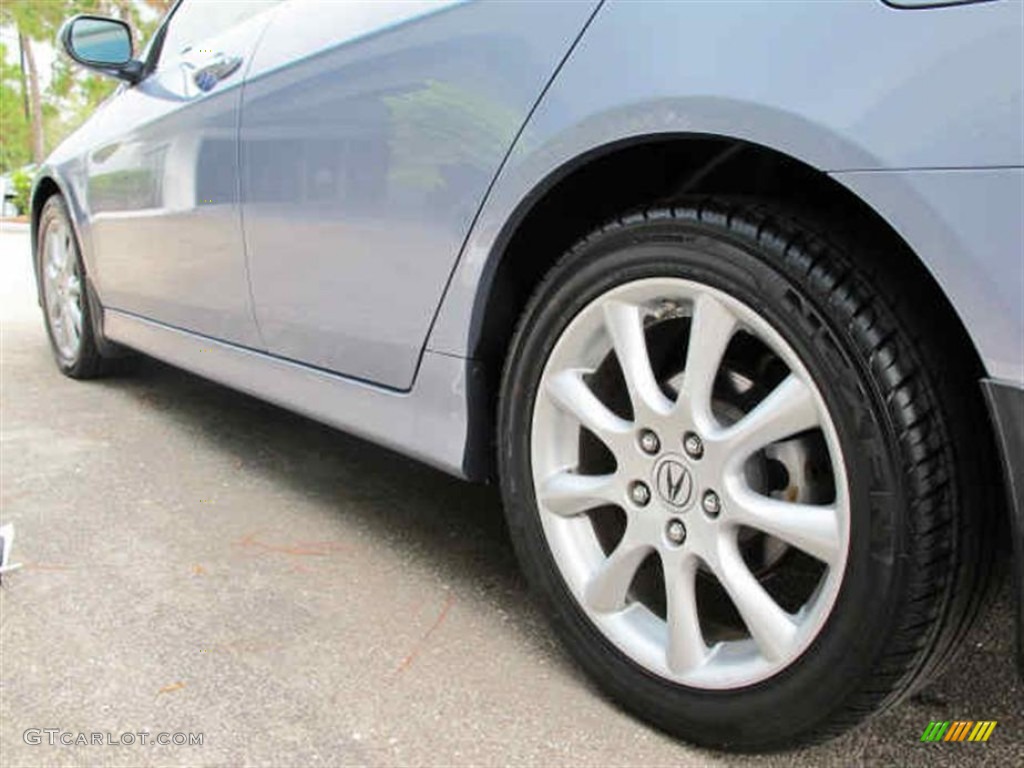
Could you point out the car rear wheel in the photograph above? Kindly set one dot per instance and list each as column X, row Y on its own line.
column 62, row 293
column 732, row 478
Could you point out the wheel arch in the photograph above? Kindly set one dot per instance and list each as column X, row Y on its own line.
column 613, row 178
column 47, row 184
column 43, row 189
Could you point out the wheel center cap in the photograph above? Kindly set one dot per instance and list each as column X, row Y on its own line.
column 673, row 481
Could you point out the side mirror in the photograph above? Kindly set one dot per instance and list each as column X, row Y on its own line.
column 101, row 44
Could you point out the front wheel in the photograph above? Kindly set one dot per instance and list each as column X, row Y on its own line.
column 732, row 480
column 62, row 293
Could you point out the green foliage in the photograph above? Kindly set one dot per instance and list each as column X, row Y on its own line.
column 483, row 126
column 22, row 181
column 72, row 97
column 14, row 132
column 35, row 19
column 73, row 92
column 120, row 186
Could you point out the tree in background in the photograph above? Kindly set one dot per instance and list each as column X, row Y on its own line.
column 33, row 121
column 14, row 138
column 33, row 21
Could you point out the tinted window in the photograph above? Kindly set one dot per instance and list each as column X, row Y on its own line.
column 198, row 20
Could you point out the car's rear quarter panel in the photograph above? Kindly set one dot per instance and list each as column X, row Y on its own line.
column 839, row 86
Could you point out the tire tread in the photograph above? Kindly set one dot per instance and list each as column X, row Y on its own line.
column 950, row 575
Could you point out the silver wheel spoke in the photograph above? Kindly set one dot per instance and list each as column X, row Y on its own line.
column 607, row 588
column 62, row 328
column 61, row 253
column 814, row 529
column 73, row 296
column 625, row 324
column 74, row 287
column 770, row 626
column 686, row 647
column 75, row 314
column 787, row 410
column 602, row 365
column 568, row 390
column 711, row 329
column 54, row 262
column 52, row 301
column 62, row 290
column 567, row 493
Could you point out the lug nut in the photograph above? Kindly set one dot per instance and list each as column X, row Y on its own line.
column 649, row 442
column 640, row 494
column 693, row 445
column 675, row 531
column 711, row 503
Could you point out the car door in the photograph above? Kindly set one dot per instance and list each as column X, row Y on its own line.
column 162, row 177
column 370, row 134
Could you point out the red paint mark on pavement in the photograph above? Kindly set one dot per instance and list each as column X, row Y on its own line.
column 408, row 660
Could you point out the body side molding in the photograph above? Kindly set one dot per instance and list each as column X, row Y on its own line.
column 427, row 423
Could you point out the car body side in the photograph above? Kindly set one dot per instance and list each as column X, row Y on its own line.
column 915, row 113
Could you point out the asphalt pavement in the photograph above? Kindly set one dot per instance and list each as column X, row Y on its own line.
column 199, row 562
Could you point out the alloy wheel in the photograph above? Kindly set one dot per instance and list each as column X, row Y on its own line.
column 62, row 289
column 690, row 483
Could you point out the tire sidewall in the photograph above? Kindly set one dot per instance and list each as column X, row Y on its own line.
column 807, row 692
column 55, row 210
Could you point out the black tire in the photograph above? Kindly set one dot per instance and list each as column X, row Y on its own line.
column 86, row 362
column 922, row 522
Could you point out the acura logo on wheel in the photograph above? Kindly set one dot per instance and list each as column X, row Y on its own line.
column 674, row 482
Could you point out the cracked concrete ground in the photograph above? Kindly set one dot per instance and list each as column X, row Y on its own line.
column 198, row 561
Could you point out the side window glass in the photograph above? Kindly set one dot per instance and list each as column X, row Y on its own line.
column 197, row 20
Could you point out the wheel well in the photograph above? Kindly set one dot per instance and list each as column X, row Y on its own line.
column 45, row 189
column 616, row 179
